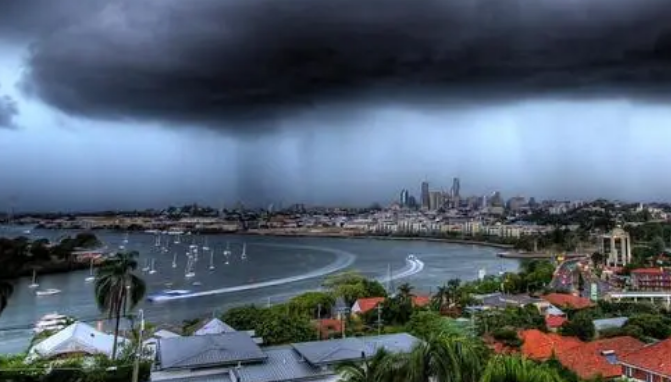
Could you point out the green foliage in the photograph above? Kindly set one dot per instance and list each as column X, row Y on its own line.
column 507, row 337
column 312, row 304
column 527, row 317
column 352, row 286
column 518, row 369
column 651, row 325
column 279, row 324
column 15, row 369
column 425, row 324
column 580, row 326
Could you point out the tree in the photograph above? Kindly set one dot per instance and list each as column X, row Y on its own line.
column 424, row 324
column 312, row 304
column 243, row 317
column 442, row 359
column 651, row 325
column 276, row 327
column 371, row 370
column 517, row 369
column 580, row 326
column 352, row 286
column 405, row 292
column 118, row 289
column 597, row 259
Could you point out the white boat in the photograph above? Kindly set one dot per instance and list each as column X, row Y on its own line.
column 146, row 267
column 212, row 259
column 205, row 246
column 175, row 232
column 48, row 292
column 174, row 260
column 227, row 251
column 34, row 284
column 412, row 257
column 158, row 241
column 166, row 294
column 125, row 238
column 196, row 283
column 152, row 231
column 152, row 269
column 91, row 276
column 243, row 255
column 27, row 232
column 189, row 273
column 50, row 322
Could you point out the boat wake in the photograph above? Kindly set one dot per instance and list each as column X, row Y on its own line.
column 344, row 260
column 413, row 267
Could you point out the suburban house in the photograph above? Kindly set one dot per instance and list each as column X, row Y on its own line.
column 587, row 359
column 364, row 305
column 567, row 301
column 502, row 301
column 76, row 339
column 649, row 364
column 235, row 357
column 609, row 323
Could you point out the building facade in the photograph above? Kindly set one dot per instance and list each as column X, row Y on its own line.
column 616, row 247
column 651, row 279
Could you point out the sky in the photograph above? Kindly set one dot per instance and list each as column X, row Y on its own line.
column 115, row 104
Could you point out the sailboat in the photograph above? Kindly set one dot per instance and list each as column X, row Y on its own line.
column 174, row 260
column 146, row 266
column 91, row 276
column 152, row 270
column 243, row 255
column 34, row 284
column 158, row 241
column 189, row 273
column 212, row 259
column 205, row 246
column 178, row 239
column 125, row 238
column 227, row 251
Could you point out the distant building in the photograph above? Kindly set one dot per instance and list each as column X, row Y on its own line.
column 405, row 198
column 616, row 247
column 651, row 279
column 436, row 200
column 426, row 198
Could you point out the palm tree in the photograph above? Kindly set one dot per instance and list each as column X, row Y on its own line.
column 405, row 292
column 442, row 359
column 118, row 289
column 373, row 370
column 514, row 368
column 6, row 290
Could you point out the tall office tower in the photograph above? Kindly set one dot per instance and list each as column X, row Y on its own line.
column 405, row 196
column 435, row 200
column 426, row 198
column 456, row 187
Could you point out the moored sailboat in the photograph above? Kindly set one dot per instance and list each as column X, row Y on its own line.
column 34, row 283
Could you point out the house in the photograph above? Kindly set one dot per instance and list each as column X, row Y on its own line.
column 651, row 279
column 150, row 343
column 502, row 301
column 599, row 358
column 214, row 326
column 329, row 327
column 541, row 346
column 364, row 305
column 567, row 301
column 553, row 322
column 76, row 339
column 650, row 364
column 234, row 357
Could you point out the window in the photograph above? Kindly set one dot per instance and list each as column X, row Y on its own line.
column 649, row 377
column 628, row 371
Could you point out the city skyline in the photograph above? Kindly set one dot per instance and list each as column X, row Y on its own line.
column 101, row 109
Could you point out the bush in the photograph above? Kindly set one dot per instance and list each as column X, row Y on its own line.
column 507, row 337
column 14, row 369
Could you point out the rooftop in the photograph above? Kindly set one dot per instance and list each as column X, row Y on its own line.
column 283, row 364
column 600, row 357
column 655, row 357
column 208, row 350
column 567, row 301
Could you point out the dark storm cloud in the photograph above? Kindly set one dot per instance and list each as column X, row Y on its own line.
column 207, row 61
column 8, row 110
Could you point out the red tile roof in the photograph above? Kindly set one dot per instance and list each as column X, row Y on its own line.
column 541, row 346
column 368, row 304
column 567, row 301
column 648, row 271
column 552, row 321
column 587, row 360
column 655, row 357
column 328, row 325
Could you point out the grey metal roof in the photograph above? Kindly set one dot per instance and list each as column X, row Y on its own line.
column 283, row 364
column 214, row 326
column 610, row 323
column 209, row 350
column 222, row 377
column 348, row 349
column 500, row 300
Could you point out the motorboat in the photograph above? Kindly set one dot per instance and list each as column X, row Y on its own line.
column 227, row 251
column 91, row 277
column 175, row 233
column 152, row 270
column 197, row 283
column 152, row 231
column 50, row 322
column 412, row 257
column 166, row 294
column 243, row 255
column 48, row 292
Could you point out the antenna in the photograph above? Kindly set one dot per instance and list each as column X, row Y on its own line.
column 379, row 319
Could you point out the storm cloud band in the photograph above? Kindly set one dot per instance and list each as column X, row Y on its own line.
column 209, row 62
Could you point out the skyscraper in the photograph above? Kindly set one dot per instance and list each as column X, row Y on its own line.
column 426, row 198
column 456, row 188
column 405, row 198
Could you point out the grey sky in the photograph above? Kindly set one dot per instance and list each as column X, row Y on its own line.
column 123, row 104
